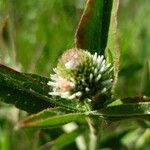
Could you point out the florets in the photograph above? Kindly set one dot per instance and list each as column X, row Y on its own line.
column 81, row 75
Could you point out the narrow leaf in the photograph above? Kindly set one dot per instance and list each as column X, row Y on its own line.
column 135, row 99
column 67, row 139
column 130, row 110
column 113, row 40
column 51, row 121
column 17, row 89
column 22, row 99
column 93, row 28
column 146, row 87
column 42, row 115
column 128, row 100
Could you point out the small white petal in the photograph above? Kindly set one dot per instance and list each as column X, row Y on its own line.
column 95, row 58
column 54, row 77
column 51, row 83
column 83, row 81
column 95, row 71
column 98, row 77
column 99, row 59
column 72, row 79
column 55, row 70
column 54, row 93
column 99, row 62
column 102, row 57
column 87, row 89
column 103, row 62
column 107, row 82
column 72, row 96
column 88, row 54
column 78, row 94
column 72, row 84
column 70, row 64
column 102, row 69
column 107, row 67
column 89, row 100
column 103, row 90
column 91, row 76
column 109, row 71
column 65, row 95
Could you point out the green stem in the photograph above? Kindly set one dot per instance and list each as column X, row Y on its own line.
column 95, row 126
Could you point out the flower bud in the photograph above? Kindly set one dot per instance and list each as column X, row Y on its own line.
column 81, row 75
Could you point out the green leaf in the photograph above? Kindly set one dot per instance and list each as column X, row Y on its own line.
column 128, row 100
column 92, row 32
column 4, row 140
column 135, row 99
column 28, row 81
column 42, row 115
column 130, row 110
column 66, row 139
column 113, row 140
column 30, row 92
column 36, row 77
column 146, row 86
column 130, row 69
column 42, row 120
column 17, row 89
column 113, row 41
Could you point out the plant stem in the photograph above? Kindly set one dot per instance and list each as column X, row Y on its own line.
column 95, row 126
column 92, row 137
column 12, row 33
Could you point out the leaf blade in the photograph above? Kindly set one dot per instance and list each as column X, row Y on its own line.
column 67, row 138
column 92, row 31
column 130, row 110
column 52, row 121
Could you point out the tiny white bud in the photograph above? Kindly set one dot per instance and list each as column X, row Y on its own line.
column 78, row 94
column 98, row 77
column 65, row 94
column 70, row 64
column 95, row 58
column 87, row 89
column 51, row 83
column 107, row 82
column 91, row 76
column 54, row 93
column 55, row 70
column 103, row 90
column 95, row 71
column 73, row 96
column 102, row 69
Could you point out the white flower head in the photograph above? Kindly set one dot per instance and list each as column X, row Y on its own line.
column 81, row 75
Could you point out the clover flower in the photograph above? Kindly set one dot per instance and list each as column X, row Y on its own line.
column 81, row 75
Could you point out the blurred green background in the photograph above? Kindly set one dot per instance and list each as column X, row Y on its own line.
column 34, row 34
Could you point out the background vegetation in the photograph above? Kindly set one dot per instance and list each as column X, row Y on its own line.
column 33, row 34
